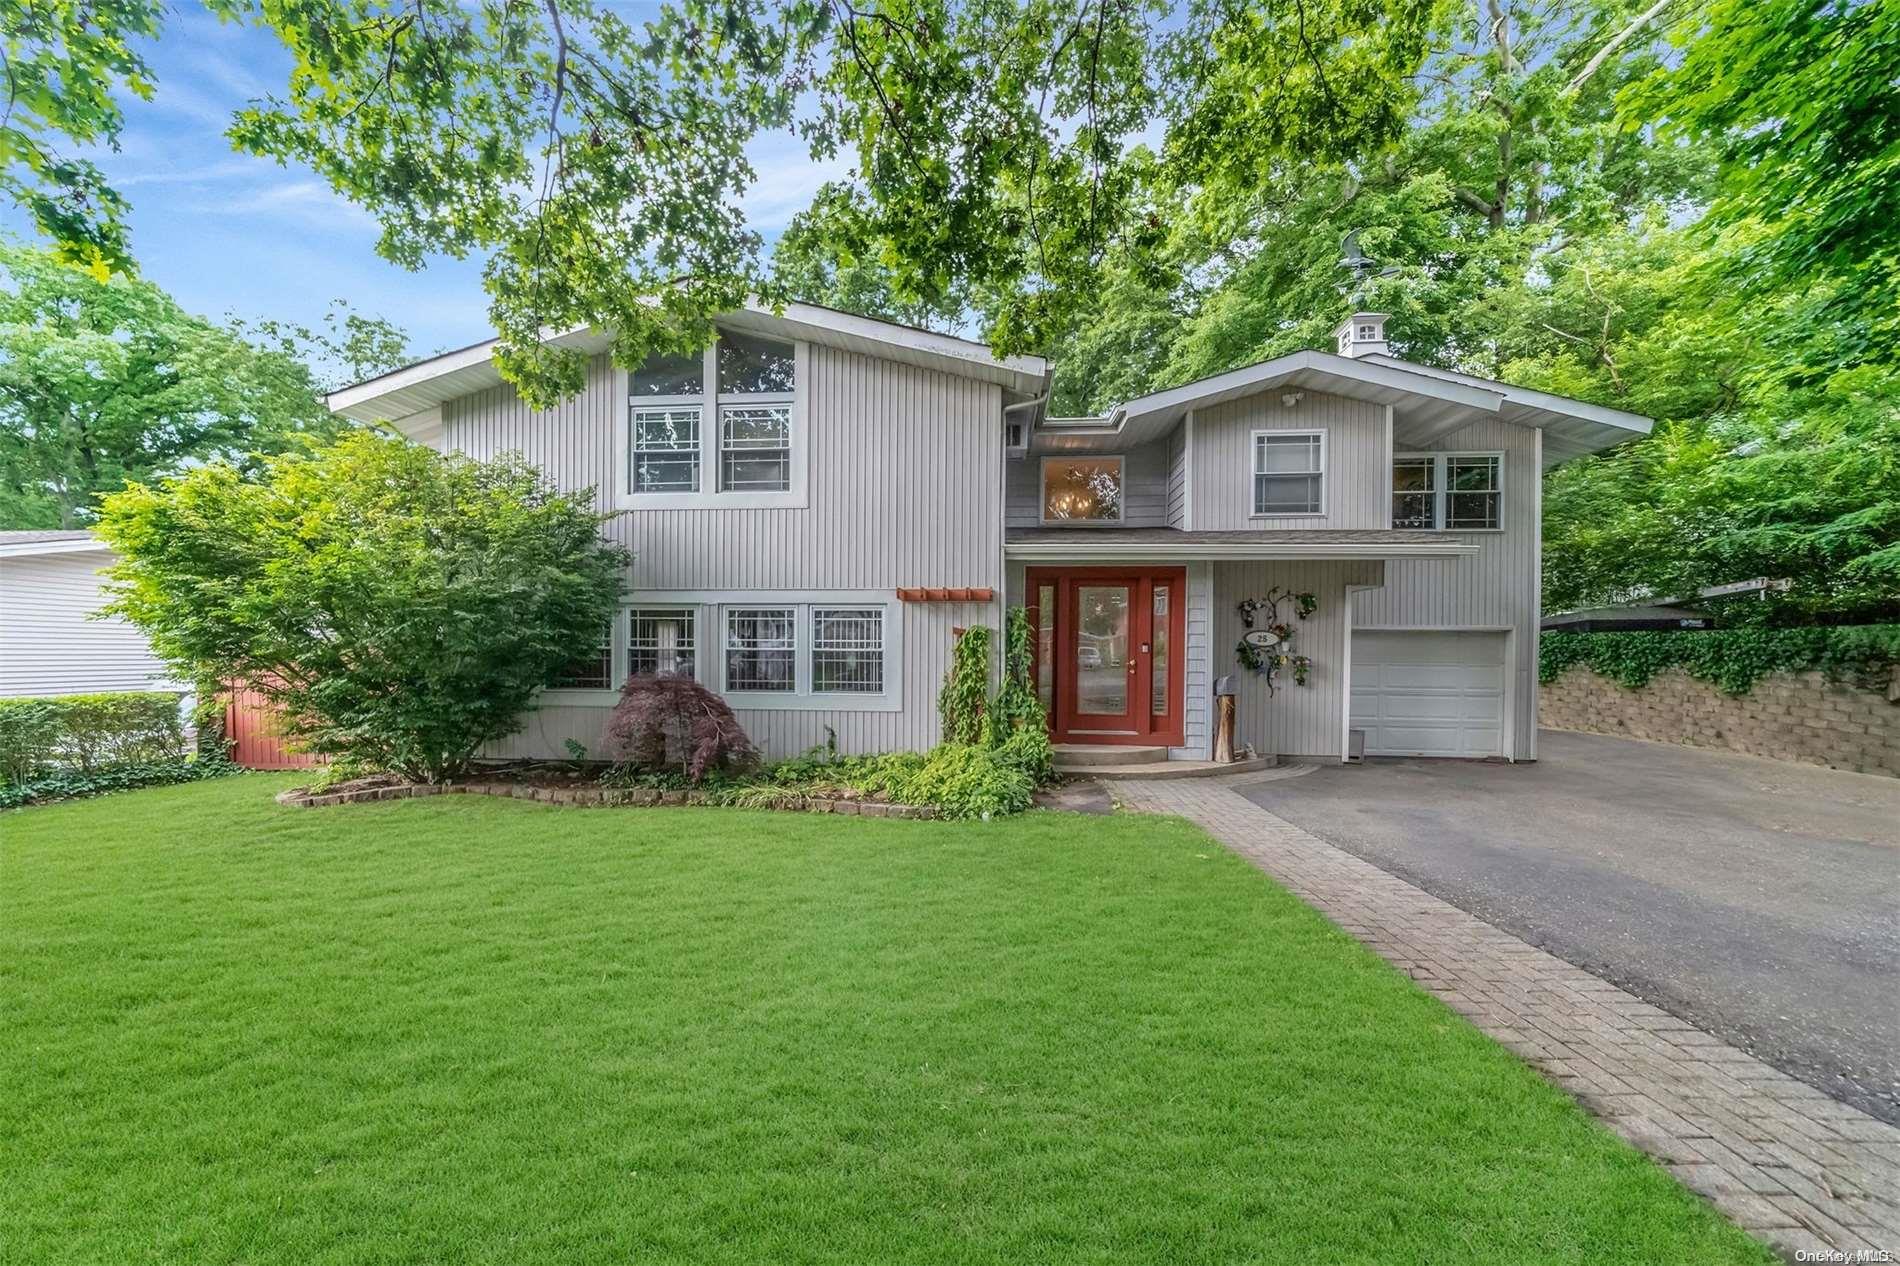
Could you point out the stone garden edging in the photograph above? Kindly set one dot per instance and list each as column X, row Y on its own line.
column 596, row 798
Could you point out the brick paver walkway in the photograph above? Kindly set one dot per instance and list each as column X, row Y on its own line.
column 1784, row 1161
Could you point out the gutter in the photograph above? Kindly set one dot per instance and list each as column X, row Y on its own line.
column 1163, row 552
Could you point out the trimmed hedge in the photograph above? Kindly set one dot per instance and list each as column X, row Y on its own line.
column 88, row 732
column 1732, row 659
column 73, row 783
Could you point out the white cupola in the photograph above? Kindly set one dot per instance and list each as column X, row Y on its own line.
column 1362, row 334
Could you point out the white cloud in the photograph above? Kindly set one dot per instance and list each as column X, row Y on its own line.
column 204, row 173
column 304, row 202
column 786, row 181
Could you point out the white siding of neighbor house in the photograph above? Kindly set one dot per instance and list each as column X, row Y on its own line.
column 1357, row 492
column 1495, row 589
column 48, row 646
column 1145, row 488
column 904, row 492
column 1294, row 720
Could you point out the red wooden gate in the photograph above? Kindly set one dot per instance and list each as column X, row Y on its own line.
column 250, row 725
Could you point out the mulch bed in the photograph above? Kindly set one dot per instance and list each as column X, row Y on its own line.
column 575, row 788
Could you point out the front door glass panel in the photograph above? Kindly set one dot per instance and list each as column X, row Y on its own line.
column 1101, row 650
column 1046, row 647
column 1158, row 656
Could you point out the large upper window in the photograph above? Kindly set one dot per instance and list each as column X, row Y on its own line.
column 1289, row 472
column 717, row 422
column 1458, row 492
column 1081, row 488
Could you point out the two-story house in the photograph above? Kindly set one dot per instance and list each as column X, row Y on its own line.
column 819, row 500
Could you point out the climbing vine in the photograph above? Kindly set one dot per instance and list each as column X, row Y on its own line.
column 1016, row 706
column 962, row 703
column 1732, row 659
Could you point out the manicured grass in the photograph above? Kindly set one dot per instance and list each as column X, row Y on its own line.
column 468, row 1030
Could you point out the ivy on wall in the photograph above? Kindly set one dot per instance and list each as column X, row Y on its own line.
column 1732, row 659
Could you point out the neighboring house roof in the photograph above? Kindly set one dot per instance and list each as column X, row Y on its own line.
column 21, row 544
column 1427, row 404
column 1625, row 619
column 1076, row 542
column 428, row 384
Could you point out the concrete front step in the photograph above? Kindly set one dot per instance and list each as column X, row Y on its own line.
column 1090, row 754
column 1166, row 768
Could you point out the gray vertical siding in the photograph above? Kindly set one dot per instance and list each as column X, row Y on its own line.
column 1177, row 477
column 1197, row 668
column 1497, row 588
column 1358, row 487
column 902, row 493
column 1145, row 488
column 1295, row 720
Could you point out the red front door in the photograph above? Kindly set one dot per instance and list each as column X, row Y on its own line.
column 1108, row 648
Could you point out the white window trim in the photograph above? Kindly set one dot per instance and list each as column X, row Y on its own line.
column 1440, row 491
column 623, row 667
column 709, row 649
column 1042, row 489
column 709, row 497
column 1254, row 472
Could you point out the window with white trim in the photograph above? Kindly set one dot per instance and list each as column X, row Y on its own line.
column 666, row 450
column 716, row 423
column 1454, row 492
column 1414, row 492
column 847, row 650
column 1289, row 473
column 660, row 642
column 755, row 447
column 593, row 669
column 761, row 649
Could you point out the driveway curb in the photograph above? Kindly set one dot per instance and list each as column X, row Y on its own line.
column 1781, row 1159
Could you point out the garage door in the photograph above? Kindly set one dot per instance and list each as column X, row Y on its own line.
column 1429, row 694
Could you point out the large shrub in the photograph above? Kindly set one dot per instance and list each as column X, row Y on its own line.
column 88, row 732
column 674, row 725
column 400, row 607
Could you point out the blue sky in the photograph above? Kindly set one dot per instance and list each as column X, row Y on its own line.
column 227, row 233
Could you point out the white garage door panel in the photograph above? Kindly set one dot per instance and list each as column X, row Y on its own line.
column 1428, row 693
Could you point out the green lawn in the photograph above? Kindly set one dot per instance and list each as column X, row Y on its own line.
column 469, row 1030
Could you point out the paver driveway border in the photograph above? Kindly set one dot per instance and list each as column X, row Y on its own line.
column 1781, row 1159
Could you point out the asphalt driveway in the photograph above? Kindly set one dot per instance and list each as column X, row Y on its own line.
column 1756, row 899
